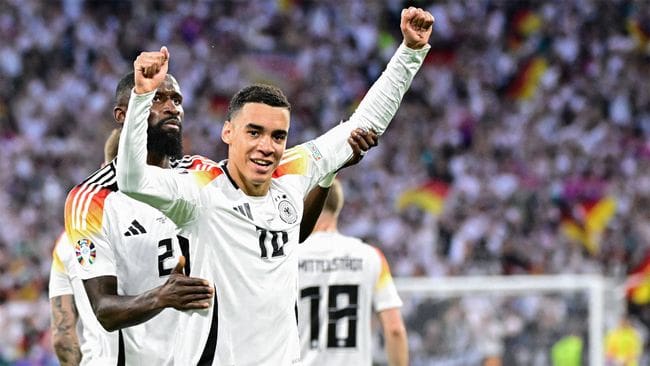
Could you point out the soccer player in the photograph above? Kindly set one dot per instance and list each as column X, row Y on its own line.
column 341, row 280
column 128, row 254
column 244, row 214
column 115, row 310
column 77, row 336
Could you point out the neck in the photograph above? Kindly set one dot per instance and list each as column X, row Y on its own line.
column 157, row 159
column 249, row 188
column 326, row 222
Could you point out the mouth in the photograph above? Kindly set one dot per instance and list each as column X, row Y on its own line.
column 172, row 124
column 262, row 163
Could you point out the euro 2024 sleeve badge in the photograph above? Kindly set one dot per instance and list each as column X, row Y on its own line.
column 85, row 251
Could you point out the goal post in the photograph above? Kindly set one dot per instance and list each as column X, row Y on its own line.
column 601, row 297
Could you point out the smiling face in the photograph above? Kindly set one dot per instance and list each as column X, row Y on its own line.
column 256, row 135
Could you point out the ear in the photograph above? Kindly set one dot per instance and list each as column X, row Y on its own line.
column 119, row 114
column 226, row 132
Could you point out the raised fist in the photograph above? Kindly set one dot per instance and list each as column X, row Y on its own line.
column 150, row 69
column 416, row 26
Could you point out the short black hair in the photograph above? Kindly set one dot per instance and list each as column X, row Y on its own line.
column 124, row 88
column 257, row 93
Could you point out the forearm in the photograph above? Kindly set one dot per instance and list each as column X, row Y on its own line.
column 64, row 333
column 384, row 97
column 375, row 111
column 132, row 150
column 397, row 349
column 116, row 312
column 313, row 206
column 395, row 337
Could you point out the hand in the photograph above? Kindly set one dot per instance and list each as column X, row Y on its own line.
column 150, row 69
column 184, row 293
column 361, row 141
column 416, row 26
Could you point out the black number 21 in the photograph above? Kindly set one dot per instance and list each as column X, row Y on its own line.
column 335, row 315
column 169, row 252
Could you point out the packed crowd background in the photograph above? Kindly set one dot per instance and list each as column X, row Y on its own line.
column 518, row 146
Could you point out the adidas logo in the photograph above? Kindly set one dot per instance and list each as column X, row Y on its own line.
column 245, row 210
column 135, row 229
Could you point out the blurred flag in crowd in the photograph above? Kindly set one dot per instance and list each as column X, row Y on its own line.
column 523, row 23
column 586, row 221
column 429, row 197
column 525, row 82
column 637, row 285
column 640, row 32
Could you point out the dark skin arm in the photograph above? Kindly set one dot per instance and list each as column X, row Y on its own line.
column 361, row 141
column 64, row 332
column 116, row 312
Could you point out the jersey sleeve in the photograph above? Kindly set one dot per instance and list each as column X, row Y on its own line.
column 87, row 228
column 174, row 192
column 331, row 150
column 59, row 283
column 385, row 294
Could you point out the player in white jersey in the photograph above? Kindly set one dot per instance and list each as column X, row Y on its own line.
column 342, row 280
column 129, row 254
column 245, row 213
column 77, row 336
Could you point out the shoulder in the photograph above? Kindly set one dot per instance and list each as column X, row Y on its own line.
column 201, row 167
column 295, row 161
column 85, row 202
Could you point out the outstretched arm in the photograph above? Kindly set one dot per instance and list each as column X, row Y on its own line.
column 116, row 312
column 380, row 104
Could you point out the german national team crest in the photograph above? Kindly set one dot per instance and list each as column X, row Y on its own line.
column 85, row 251
column 287, row 212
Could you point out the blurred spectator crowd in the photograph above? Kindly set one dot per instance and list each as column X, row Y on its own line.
column 519, row 147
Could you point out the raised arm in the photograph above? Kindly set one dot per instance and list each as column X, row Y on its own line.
column 117, row 311
column 172, row 193
column 380, row 104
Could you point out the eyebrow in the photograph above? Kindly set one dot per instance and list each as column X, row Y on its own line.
column 257, row 127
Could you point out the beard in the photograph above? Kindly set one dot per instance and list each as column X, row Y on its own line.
column 169, row 143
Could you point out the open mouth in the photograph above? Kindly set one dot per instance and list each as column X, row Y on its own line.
column 262, row 163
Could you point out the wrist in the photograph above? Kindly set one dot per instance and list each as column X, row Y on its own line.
column 327, row 180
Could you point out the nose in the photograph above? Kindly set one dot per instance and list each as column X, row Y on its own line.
column 265, row 145
column 171, row 107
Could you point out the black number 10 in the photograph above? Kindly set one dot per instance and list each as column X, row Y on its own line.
column 335, row 315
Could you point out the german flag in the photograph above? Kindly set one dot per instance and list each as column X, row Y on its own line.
column 587, row 221
column 429, row 197
column 524, row 84
column 640, row 32
column 637, row 285
column 523, row 23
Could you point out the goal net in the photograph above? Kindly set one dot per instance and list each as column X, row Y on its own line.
column 506, row 320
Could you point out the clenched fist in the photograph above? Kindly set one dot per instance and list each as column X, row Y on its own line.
column 416, row 26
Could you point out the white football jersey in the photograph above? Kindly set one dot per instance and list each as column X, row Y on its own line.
column 245, row 245
column 341, row 281
column 98, row 347
column 115, row 235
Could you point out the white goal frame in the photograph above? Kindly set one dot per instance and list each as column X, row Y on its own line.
column 593, row 285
